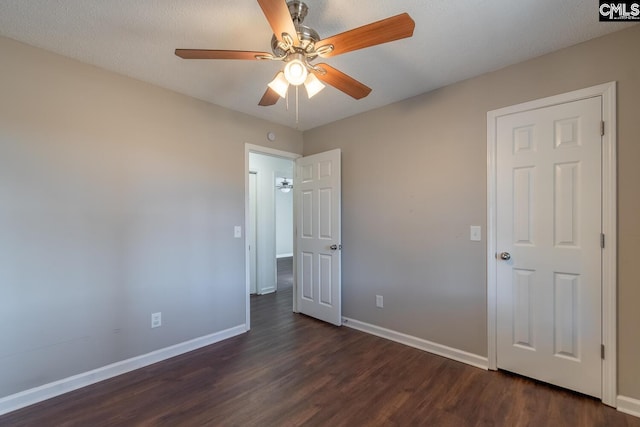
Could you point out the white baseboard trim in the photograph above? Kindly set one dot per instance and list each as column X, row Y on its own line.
column 269, row 290
column 629, row 405
column 47, row 391
column 284, row 255
column 419, row 343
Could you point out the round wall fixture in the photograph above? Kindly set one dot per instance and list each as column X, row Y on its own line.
column 271, row 136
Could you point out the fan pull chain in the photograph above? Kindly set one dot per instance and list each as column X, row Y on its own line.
column 296, row 104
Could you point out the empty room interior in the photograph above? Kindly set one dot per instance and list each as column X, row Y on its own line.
column 319, row 213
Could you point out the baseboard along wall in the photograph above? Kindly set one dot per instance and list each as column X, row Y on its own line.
column 625, row 404
column 47, row 391
column 629, row 405
column 284, row 256
column 419, row 343
column 32, row 396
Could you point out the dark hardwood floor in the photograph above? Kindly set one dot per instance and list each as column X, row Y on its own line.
column 292, row 370
column 285, row 273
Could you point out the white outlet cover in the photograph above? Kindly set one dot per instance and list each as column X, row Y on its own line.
column 237, row 232
column 379, row 301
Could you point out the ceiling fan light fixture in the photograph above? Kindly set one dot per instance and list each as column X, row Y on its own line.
column 313, row 85
column 296, row 70
column 285, row 186
column 280, row 85
column 298, row 45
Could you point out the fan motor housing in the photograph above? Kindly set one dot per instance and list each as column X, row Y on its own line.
column 298, row 11
column 308, row 36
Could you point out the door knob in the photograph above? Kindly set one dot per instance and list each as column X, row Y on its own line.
column 505, row 256
column 335, row 247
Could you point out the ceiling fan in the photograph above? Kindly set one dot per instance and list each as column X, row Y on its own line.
column 285, row 186
column 298, row 46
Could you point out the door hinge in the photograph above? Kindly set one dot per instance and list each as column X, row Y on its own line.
column 602, row 351
column 602, row 240
column 602, row 128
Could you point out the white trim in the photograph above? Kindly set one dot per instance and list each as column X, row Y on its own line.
column 284, row 255
column 609, row 253
column 492, row 278
column 629, row 405
column 251, row 148
column 419, row 343
column 47, row 391
column 609, row 226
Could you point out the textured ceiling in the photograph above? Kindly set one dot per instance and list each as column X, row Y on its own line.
column 452, row 41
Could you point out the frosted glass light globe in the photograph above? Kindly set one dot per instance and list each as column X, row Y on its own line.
column 295, row 72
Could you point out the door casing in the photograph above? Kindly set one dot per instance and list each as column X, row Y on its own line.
column 251, row 232
column 251, row 148
column 609, row 226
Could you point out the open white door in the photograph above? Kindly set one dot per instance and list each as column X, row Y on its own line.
column 317, row 187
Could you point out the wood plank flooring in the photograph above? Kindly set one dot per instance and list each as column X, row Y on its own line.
column 285, row 273
column 291, row 370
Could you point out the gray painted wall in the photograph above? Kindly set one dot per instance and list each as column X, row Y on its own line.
column 414, row 180
column 284, row 222
column 117, row 199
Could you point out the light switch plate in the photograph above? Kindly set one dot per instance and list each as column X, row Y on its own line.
column 476, row 233
column 156, row 320
column 237, row 232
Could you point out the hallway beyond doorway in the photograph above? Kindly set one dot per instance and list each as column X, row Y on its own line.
column 285, row 273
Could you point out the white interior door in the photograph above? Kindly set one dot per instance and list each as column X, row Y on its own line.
column 317, row 187
column 549, row 222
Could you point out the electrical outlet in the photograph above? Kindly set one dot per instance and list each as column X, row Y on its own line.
column 237, row 232
column 379, row 301
column 156, row 320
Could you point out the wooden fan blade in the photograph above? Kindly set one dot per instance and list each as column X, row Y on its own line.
column 270, row 97
column 277, row 13
column 343, row 82
column 387, row 30
column 217, row 54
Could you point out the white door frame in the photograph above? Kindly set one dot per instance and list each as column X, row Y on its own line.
column 609, row 226
column 251, row 148
column 250, row 232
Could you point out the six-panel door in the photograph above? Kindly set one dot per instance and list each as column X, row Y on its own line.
column 317, row 189
column 549, row 221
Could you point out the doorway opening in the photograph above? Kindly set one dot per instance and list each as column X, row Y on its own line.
column 269, row 214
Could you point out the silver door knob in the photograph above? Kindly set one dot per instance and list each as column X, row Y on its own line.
column 335, row 247
column 505, row 256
